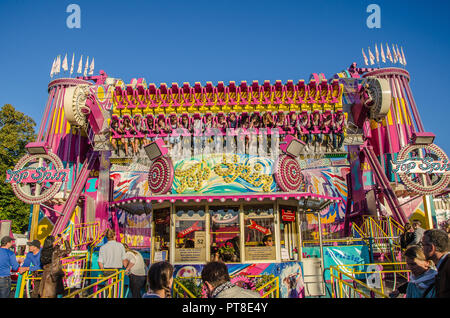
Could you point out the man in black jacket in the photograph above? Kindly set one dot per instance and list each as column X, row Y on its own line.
column 435, row 245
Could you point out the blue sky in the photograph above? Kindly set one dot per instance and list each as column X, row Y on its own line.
column 199, row 41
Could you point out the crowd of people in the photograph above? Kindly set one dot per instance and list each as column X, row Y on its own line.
column 426, row 255
column 312, row 128
column 43, row 264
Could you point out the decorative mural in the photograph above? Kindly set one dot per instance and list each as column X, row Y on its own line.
column 222, row 173
column 328, row 177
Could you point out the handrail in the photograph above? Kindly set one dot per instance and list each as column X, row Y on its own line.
column 26, row 278
column 114, row 286
column 345, row 276
column 274, row 280
column 176, row 283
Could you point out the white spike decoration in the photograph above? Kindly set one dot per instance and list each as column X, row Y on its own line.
column 86, row 67
column 71, row 65
column 65, row 67
column 388, row 52
column 91, row 68
column 52, row 71
column 80, row 65
column 403, row 56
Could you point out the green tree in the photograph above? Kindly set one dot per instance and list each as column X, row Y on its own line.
column 16, row 131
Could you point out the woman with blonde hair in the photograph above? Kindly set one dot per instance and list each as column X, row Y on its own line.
column 421, row 280
column 160, row 279
column 136, row 269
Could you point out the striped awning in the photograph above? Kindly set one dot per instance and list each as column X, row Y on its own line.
column 307, row 201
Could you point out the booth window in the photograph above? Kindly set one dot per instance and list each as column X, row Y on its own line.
column 224, row 231
column 190, row 234
column 289, row 233
column 259, row 233
column 161, row 219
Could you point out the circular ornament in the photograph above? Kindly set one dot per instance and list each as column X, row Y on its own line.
column 35, row 193
column 424, row 183
column 160, row 176
column 288, row 173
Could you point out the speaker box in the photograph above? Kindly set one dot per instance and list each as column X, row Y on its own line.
column 156, row 149
column 292, row 146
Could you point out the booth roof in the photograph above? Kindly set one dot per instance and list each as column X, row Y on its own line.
column 308, row 201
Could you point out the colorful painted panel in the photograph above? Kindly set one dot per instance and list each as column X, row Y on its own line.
column 328, row 178
column 128, row 184
column 219, row 173
column 289, row 273
column 339, row 255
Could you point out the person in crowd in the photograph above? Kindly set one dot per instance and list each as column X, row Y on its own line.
column 32, row 263
column 184, row 121
column 160, row 280
column 137, row 270
column 435, row 244
column 407, row 237
column 447, row 228
column 255, row 121
column 8, row 262
column 232, row 120
column 418, row 232
column 217, row 282
column 315, row 125
column 281, row 123
column 222, row 126
column 293, row 120
column 127, row 129
column 150, row 127
column 52, row 285
column 141, row 129
column 111, row 256
column 267, row 240
column 173, row 126
column 327, row 129
column 422, row 276
column 338, row 131
column 268, row 120
column 304, row 129
column 115, row 129
column 161, row 127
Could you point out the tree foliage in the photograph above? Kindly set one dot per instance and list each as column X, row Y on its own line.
column 16, row 131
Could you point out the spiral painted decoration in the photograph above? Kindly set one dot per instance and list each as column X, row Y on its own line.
column 160, row 176
column 288, row 174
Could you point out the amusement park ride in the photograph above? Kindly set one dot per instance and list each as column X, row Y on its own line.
column 177, row 169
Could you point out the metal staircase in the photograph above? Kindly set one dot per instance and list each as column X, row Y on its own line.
column 75, row 193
